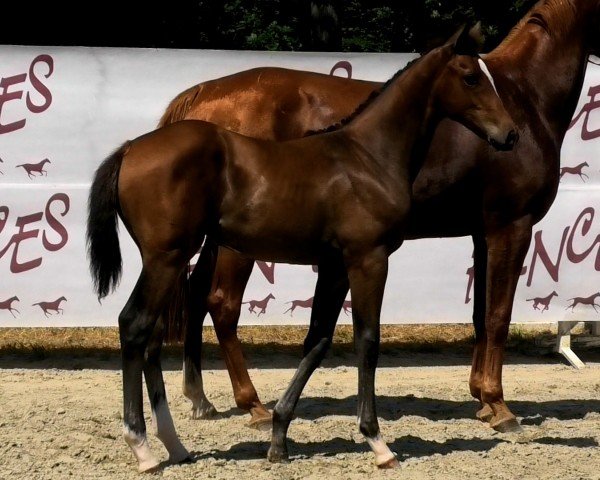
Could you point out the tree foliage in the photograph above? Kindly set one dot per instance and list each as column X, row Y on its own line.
column 350, row 25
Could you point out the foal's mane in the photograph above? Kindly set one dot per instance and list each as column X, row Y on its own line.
column 555, row 16
column 365, row 104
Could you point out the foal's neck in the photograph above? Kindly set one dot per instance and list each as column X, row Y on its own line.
column 401, row 117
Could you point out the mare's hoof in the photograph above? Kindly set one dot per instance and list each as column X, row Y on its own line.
column 278, row 456
column 507, row 425
column 391, row 463
column 263, row 424
column 181, row 457
column 485, row 414
column 205, row 412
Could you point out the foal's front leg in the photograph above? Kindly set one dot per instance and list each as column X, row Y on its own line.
column 367, row 276
column 331, row 289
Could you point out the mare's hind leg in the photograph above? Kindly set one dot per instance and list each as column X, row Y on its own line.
column 136, row 324
column 507, row 247
column 331, row 290
column 225, row 300
column 485, row 413
column 199, row 284
column 162, row 421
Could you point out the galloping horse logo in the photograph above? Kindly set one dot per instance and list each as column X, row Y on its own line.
column 584, row 301
column 32, row 168
column 7, row 305
column 299, row 303
column 577, row 170
column 262, row 304
column 48, row 307
column 543, row 301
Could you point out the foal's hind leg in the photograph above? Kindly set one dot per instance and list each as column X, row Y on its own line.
column 331, row 290
column 136, row 324
column 225, row 300
column 199, row 284
column 162, row 421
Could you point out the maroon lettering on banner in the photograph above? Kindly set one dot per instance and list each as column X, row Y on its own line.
column 577, row 234
column 8, row 94
column 38, row 85
column 55, row 224
column 588, row 108
column 18, row 238
column 17, row 263
column 267, row 270
column 539, row 251
column 586, row 218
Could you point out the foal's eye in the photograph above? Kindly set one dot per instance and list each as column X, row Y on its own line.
column 471, row 80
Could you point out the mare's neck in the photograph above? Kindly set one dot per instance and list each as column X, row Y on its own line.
column 540, row 73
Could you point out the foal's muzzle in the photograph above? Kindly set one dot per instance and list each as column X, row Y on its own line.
column 507, row 144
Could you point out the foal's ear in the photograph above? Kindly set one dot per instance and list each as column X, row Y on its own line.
column 468, row 41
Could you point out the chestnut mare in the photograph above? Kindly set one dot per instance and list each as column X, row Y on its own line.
column 339, row 200
column 455, row 193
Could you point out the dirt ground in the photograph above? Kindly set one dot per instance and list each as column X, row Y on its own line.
column 62, row 419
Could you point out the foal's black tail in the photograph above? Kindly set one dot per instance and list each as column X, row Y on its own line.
column 104, row 252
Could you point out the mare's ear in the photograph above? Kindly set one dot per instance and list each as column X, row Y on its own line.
column 467, row 40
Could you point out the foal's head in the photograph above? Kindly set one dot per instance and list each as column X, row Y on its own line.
column 464, row 91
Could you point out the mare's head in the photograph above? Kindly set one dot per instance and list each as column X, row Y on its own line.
column 464, row 90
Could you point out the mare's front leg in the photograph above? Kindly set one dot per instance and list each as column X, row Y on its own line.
column 485, row 413
column 162, row 422
column 136, row 324
column 330, row 292
column 199, row 284
column 367, row 276
column 507, row 247
column 224, row 303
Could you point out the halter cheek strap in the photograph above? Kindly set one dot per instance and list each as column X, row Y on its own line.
column 486, row 70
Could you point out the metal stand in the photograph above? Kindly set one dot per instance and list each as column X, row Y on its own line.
column 563, row 340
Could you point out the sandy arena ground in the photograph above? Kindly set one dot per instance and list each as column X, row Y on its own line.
column 61, row 423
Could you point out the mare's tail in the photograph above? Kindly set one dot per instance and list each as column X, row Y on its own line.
column 103, row 248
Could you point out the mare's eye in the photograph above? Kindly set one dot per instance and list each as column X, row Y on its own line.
column 471, row 80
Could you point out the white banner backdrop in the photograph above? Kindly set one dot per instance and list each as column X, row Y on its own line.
column 73, row 106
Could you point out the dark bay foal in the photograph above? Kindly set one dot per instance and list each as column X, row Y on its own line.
column 339, row 200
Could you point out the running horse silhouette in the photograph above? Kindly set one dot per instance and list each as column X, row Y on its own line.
column 262, row 304
column 462, row 189
column 347, row 306
column 48, row 307
column 339, row 200
column 7, row 305
column 308, row 303
column 584, row 301
column 31, row 168
column 577, row 170
column 543, row 301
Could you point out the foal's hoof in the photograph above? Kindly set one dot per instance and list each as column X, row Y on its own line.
column 150, row 465
column 485, row 414
column 391, row 463
column 205, row 411
column 276, row 455
column 262, row 424
column 182, row 456
column 506, row 425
